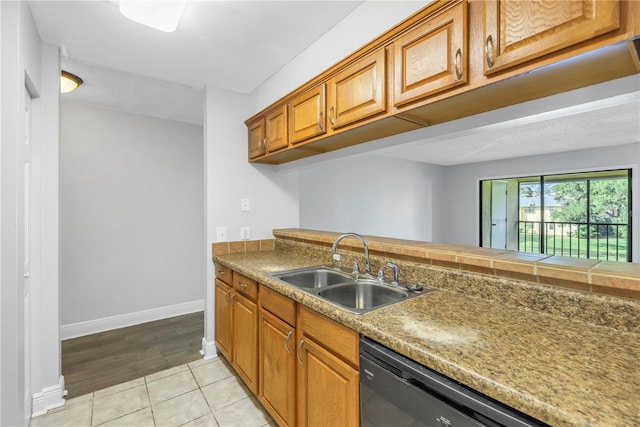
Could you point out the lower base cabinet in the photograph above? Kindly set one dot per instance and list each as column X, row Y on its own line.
column 327, row 388
column 302, row 366
column 277, row 368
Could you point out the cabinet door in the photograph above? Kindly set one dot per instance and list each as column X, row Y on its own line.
column 359, row 91
column 245, row 340
column 223, row 319
column 276, row 129
column 277, row 368
column 518, row 31
column 307, row 115
column 432, row 57
column 256, row 139
column 328, row 388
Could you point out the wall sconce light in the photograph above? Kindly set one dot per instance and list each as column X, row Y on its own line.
column 69, row 82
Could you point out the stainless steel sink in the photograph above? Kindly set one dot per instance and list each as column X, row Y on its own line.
column 314, row 277
column 355, row 293
column 363, row 295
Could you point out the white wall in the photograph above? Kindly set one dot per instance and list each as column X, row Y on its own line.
column 460, row 207
column 373, row 195
column 273, row 195
column 26, row 62
column 132, row 218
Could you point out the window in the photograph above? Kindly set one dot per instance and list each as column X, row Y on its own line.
column 582, row 215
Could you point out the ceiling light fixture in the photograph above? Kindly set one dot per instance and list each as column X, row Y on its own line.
column 69, row 82
column 161, row 15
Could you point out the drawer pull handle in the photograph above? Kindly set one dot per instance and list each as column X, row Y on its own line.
column 221, row 272
column 489, row 52
column 287, row 343
column 243, row 285
column 457, row 66
column 298, row 351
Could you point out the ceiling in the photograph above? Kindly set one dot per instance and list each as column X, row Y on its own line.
column 239, row 44
column 234, row 45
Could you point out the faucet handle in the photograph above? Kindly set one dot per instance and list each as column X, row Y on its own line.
column 380, row 274
column 337, row 257
column 396, row 271
column 356, row 270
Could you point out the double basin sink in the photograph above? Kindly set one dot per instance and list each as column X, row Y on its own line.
column 355, row 293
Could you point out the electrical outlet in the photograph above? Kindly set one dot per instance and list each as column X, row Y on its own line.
column 244, row 233
column 221, row 234
column 244, row 205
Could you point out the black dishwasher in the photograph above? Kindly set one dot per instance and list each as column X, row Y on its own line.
column 396, row 391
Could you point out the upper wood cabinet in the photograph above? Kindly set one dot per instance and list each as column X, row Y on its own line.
column 276, row 129
column 517, row 31
column 257, row 132
column 432, row 57
column 269, row 133
column 358, row 91
column 307, row 115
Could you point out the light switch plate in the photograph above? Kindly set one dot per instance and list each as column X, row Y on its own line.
column 244, row 205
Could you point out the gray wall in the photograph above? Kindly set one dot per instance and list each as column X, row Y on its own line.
column 373, row 195
column 132, row 213
column 461, row 184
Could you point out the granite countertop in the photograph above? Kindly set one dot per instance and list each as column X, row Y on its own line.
column 562, row 372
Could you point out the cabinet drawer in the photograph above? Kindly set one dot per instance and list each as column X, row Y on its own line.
column 331, row 334
column 223, row 273
column 245, row 286
column 279, row 305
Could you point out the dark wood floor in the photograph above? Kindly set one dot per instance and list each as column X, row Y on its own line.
column 101, row 360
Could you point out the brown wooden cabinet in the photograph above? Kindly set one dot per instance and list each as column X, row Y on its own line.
column 277, row 356
column 223, row 318
column 307, row 115
column 223, row 310
column 359, row 91
column 432, row 57
column 518, row 31
column 269, row 133
column 444, row 62
column 257, row 138
column 245, row 329
column 327, row 374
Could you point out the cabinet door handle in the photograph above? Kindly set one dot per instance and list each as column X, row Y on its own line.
column 320, row 121
column 298, row 351
column 226, row 296
column 331, row 110
column 457, row 66
column 489, row 51
column 287, row 343
column 232, row 297
column 264, row 145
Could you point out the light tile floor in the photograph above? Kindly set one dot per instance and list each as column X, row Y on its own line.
column 200, row 393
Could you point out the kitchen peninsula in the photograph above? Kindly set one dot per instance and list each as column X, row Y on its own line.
column 563, row 356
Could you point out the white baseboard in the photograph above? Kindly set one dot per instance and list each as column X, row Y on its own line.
column 209, row 350
column 80, row 329
column 49, row 398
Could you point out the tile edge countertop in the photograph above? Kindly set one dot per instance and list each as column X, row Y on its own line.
column 562, row 372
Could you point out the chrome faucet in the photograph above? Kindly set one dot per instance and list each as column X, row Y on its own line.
column 394, row 268
column 338, row 257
